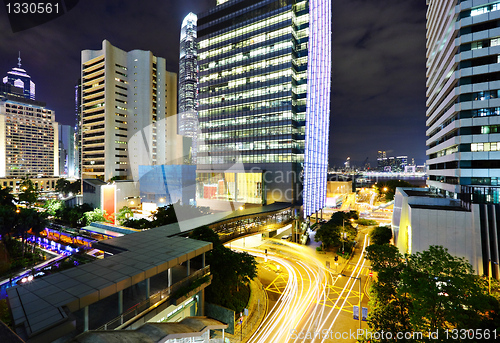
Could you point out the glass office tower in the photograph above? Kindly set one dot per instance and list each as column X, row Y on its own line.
column 264, row 97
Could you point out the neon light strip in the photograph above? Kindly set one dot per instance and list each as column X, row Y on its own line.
column 318, row 106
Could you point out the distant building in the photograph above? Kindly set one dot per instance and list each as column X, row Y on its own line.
column 78, row 128
column 19, row 78
column 66, row 151
column 188, row 83
column 381, row 160
column 125, row 111
column 391, row 164
column 28, row 136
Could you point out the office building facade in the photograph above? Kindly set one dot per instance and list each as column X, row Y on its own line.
column 78, row 128
column 28, row 138
column 463, row 151
column 463, row 97
column 66, row 151
column 264, row 97
column 187, row 118
column 124, row 109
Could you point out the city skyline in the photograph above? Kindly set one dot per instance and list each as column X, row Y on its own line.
column 387, row 79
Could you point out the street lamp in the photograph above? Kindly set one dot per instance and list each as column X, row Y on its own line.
column 359, row 301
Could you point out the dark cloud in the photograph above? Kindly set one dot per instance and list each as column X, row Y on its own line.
column 378, row 98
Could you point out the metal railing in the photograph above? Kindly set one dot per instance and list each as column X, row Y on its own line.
column 155, row 300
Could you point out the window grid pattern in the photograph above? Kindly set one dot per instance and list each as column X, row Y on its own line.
column 252, row 93
column 29, row 140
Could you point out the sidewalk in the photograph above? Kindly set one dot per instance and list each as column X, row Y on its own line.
column 257, row 308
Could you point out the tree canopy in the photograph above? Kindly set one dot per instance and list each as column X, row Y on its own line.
column 229, row 268
column 389, row 188
column 66, row 187
column 427, row 291
column 381, row 235
column 330, row 233
column 28, row 192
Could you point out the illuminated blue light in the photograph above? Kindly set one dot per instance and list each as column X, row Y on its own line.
column 318, row 106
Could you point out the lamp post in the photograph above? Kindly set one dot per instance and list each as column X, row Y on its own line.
column 359, row 300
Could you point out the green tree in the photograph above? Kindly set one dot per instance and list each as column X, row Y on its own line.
column 52, row 206
column 332, row 232
column 230, row 269
column 163, row 216
column 62, row 186
column 123, row 214
column 28, row 192
column 381, row 235
column 444, row 291
column 204, row 233
column 96, row 215
column 169, row 214
column 427, row 291
column 388, row 189
column 75, row 187
column 29, row 220
column 73, row 216
column 8, row 220
column 139, row 224
column 329, row 235
column 6, row 198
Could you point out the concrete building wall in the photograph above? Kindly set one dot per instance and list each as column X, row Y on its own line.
column 421, row 221
column 126, row 190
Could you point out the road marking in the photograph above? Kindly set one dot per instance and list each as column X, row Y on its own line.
column 278, row 285
column 365, row 271
column 333, row 294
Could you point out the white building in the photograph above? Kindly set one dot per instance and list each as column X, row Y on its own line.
column 127, row 99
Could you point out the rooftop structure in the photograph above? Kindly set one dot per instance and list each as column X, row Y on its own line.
column 19, row 78
column 41, row 309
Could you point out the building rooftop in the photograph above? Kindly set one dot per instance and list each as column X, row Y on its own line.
column 95, row 182
column 154, row 332
column 41, row 303
column 440, row 208
column 211, row 219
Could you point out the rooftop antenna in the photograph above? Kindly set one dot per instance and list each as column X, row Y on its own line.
column 19, row 59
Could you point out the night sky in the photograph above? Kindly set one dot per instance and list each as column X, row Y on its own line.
column 378, row 90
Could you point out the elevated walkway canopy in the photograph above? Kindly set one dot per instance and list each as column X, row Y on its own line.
column 41, row 308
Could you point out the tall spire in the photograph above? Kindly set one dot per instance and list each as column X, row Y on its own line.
column 19, row 60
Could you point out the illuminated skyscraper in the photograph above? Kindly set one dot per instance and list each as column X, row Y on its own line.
column 188, row 80
column 28, row 131
column 19, row 78
column 264, row 100
column 28, row 138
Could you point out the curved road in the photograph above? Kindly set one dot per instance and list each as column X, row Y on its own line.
column 313, row 303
